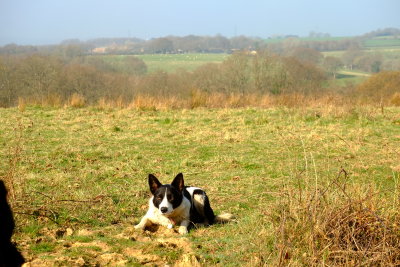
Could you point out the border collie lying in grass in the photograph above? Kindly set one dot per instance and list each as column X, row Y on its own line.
column 177, row 204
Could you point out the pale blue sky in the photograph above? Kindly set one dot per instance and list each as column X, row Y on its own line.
column 51, row 21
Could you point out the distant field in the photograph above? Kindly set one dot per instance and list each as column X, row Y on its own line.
column 387, row 53
column 373, row 43
column 188, row 62
column 382, row 43
column 170, row 62
column 347, row 77
column 279, row 40
column 389, row 48
column 80, row 181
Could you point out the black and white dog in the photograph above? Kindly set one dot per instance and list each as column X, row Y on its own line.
column 177, row 204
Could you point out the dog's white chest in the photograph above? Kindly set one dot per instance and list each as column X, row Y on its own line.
column 179, row 214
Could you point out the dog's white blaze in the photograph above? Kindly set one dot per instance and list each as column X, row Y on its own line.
column 165, row 203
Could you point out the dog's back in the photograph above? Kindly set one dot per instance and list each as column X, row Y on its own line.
column 201, row 211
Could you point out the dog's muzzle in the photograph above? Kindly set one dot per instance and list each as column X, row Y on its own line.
column 164, row 209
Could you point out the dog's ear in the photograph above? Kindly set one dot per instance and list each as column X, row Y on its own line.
column 154, row 183
column 178, row 182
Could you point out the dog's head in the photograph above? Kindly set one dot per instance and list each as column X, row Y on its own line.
column 167, row 197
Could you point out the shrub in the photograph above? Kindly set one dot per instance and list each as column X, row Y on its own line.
column 381, row 86
column 395, row 100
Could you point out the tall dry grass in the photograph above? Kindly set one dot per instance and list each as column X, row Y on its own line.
column 106, row 103
column 336, row 224
column 76, row 101
column 395, row 99
column 201, row 99
column 11, row 176
column 52, row 100
column 21, row 104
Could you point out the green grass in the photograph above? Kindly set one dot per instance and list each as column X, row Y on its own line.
column 174, row 62
column 348, row 77
column 344, row 79
column 382, row 43
column 42, row 247
column 88, row 168
column 318, row 39
column 167, row 62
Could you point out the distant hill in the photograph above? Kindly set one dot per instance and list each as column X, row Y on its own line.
column 323, row 42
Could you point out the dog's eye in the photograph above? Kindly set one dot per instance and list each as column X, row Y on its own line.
column 159, row 197
column 170, row 197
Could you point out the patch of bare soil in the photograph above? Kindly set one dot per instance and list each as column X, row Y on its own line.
column 111, row 250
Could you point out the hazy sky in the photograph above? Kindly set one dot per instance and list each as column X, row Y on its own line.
column 51, row 21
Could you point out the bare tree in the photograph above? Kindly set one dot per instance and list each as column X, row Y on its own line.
column 8, row 93
column 307, row 55
column 160, row 46
column 332, row 65
column 349, row 57
column 38, row 75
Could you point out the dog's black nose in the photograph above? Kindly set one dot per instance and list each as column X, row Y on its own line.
column 164, row 209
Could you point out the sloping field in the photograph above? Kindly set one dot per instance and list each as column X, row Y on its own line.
column 79, row 179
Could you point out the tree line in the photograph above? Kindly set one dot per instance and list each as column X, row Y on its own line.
column 175, row 45
column 194, row 44
column 53, row 81
column 168, row 44
column 37, row 77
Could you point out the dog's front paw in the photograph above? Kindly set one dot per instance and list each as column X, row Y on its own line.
column 138, row 227
column 183, row 230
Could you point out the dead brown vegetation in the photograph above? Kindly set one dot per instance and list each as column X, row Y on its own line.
column 383, row 86
column 337, row 224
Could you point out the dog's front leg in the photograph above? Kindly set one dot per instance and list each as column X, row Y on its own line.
column 143, row 223
column 183, row 228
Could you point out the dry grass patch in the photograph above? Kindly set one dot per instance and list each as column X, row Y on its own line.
column 337, row 224
column 77, row 101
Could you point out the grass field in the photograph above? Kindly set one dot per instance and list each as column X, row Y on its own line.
column 385, row 43
column 319, row 39
column 188, row 62
column 389, row 48
column 80, row 180
column 168, row 62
